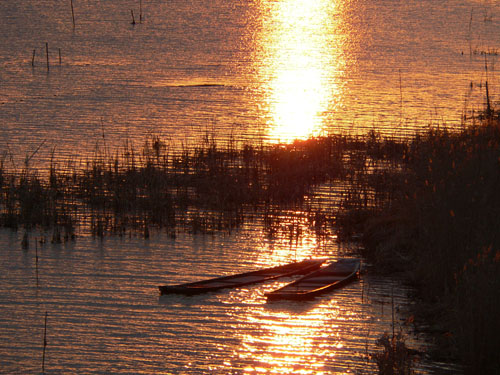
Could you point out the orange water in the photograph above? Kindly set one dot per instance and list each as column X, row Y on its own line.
column 250, row 70
column 254, row 71
column 105, row 315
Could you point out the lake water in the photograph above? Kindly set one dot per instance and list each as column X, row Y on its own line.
column 251, row 71
column 105, row 315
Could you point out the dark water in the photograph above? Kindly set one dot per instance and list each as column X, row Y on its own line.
column 105, row 315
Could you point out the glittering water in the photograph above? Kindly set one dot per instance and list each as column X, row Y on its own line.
column 254, row 71
column 105, row 315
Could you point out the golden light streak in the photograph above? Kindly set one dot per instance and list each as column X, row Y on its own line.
column 288, row 341
column 299, row 60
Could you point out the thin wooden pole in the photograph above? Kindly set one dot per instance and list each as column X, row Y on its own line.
column 36, row 261
column 44, row 343
column 140, row 11
column 470, row 33
column 73, row 14
column 133, row 19
column 362, row 290
column 47, row 53
column 400, row 98
column 59, row 56
column 33, row 58
column 392, row 306
column 488, row 105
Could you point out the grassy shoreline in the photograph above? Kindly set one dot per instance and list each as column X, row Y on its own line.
column 206, row 188
column 438, row 226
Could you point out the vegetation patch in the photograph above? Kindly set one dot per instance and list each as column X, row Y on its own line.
column 204, row 189
column 438, row 224
column 395, row 358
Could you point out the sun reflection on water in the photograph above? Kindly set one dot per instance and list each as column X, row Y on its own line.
column 287, row 337
column 299, row 60
column 292, row 338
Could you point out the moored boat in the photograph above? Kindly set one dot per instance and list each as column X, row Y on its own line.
column 332, row 276
column 237, row 280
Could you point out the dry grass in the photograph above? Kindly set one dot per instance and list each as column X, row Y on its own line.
column 427, row 206
column 394, row 358
column 437, row 222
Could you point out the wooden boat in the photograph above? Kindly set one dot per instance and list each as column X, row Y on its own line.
column 233, row 281
column 317, row 282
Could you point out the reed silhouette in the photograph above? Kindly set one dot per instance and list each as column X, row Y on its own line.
column 435, row 221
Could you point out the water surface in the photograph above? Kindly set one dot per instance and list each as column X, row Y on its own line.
column 247, row 70
column 251, row 70
column 105, row 315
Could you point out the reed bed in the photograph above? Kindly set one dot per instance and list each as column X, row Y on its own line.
column 426, row 206
column 394, row 358
column 436, row 221
column 202, row 189
column 205, row 188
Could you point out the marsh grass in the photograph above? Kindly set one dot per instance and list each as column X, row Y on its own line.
column 395, row 358
column 426, row 206
column 437, row 222
column 202, row 189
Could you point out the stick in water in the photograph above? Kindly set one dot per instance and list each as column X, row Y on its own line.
column 47, row 53
column 36, row 261
column 33, row 58
column 44, row 344
column 392, row 306
column 72, row 14
column 133, row 19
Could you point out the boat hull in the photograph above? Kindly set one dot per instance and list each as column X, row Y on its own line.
column 318, row 282
column 242, row 279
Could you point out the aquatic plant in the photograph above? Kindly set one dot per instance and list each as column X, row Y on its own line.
column 426, row 206
column 204, row 188
column 395, row 357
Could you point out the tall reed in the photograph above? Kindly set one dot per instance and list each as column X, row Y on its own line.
column 436, row 222
column 206, row 187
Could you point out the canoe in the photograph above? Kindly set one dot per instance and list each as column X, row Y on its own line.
column 233, row 281
column 330, row 277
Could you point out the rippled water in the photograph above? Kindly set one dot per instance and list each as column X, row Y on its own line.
column 272, row 70
column 254, row 71
column 105, row 315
